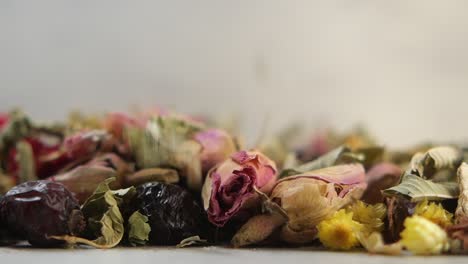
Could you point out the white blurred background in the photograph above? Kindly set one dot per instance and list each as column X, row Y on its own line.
column 400, row 67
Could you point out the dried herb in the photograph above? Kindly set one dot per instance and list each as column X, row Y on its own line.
column 166, row 142
column 418, row 189
column 105, row 227
column 138, row 229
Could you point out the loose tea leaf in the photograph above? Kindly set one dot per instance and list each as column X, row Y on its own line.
column 138, row 229
column 105, row 222
column 417, row 189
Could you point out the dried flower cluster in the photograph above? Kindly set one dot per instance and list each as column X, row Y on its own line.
column 163, row 178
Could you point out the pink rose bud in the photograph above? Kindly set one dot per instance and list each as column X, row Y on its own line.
column 217, row 145
column 229, row 188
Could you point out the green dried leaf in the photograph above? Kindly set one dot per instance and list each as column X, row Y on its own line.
column 26, row 163
column 158, row 144
column 105, row 222
column 192, row 241
column 138, row 229
column 417, row 189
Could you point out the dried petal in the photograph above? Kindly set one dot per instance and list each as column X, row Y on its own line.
column 340, row 231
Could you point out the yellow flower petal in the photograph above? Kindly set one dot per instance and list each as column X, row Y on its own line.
column 434, row 212
column 371, row 216
column 423, row 237
column 340, row 231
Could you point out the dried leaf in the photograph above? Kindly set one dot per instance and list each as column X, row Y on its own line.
column 138, row 229
column 105, row 222
column 166, row 142
column 192, row 241
column 417, row 189
column 438, row 158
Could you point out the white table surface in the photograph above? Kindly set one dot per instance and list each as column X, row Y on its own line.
column 206, row 255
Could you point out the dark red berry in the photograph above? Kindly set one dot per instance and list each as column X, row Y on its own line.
column 172, row 211
column 38, row 209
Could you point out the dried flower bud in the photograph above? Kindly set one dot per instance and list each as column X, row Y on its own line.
column 230, row 187
column 339, row 232
column 434, row 212
column 422, row 237
column 371, row 216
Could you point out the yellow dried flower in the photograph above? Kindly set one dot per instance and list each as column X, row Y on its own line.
column 423, row 237
column 340, row 231
column 435, row 213
column 371, row 216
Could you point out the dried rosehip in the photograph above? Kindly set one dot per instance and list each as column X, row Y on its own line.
column 38, row 209
column 173, row 213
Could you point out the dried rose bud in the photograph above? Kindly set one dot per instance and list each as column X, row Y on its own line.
column 306, row 200
column 229, row 188
column 217, row 145
column 313, row 196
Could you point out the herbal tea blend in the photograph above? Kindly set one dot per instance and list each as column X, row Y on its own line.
column 163, row 178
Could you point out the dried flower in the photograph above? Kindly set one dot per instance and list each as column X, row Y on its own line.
column 230, row 187
column 313, row 196
column 371, row 216
column 217, row 145
column 434, row 212
column 340, row 231
column 423, row 237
